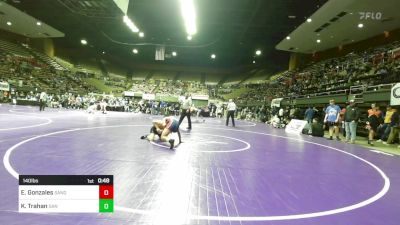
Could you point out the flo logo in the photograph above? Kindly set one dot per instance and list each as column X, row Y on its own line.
column 396, row 92
column 370, row 15
column 395, row 98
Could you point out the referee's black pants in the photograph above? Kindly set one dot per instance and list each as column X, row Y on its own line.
column 185, row 113
column 231, row 113
column 42, row 104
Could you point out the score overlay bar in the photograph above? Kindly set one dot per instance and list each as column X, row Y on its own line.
column 66, row 193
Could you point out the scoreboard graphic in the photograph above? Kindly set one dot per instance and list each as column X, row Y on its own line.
column 66, row 194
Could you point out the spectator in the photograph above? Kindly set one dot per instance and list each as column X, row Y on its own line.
column 331, row 119
column 281, row 112
column 342, row 129
column 394, row 127
column 317, row 128
column 42, row 101
column 351, row 117
column 384, row 130
column 309, row 115
column 374, row 115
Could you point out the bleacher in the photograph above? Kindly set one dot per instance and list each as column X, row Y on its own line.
column 358, row 69
column 160, row 75
column 48, row 60
column 375, row 66
column 14, row 49
column 140, row 74
column 187, row 76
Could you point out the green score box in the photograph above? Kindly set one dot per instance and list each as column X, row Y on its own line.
column 106, row 205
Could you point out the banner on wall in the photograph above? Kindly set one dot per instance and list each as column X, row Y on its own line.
column 200, row 97
column 129, row 93
column 160, row 53
column 181, row 98
column 4, row 86
column 395, row 95
column 295, row 126
column 276, row 102
column 149, row 96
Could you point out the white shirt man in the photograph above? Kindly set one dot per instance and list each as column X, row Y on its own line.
column 231, row 112
column 186, row 106
column 231, row 106
column 42, row 101
column 43, row 96
column 187, row 103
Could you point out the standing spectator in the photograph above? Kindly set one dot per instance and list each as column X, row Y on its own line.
column 219, row 111
column 42, row 101
column 231, row 112
column 213, row 110
column 342, row 128
column 292, row 112
column 351, row 116
column 103, row 105
column 331, row 119
column 186, row 107
column 280, row 114
column 309, row 115
column 374, row 115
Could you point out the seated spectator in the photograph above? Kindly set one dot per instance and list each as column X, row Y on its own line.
column 317, row 128
column 384, row 129
column 394, row 127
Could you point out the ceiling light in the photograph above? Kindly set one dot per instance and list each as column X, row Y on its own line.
column 173, row 53
column 104, row 52
column 287, row 38
column 189, row 37
column 254, row 61
column 309, row 20
column 141, row 34
column 135, row 51
column 39, row 23
column 258, row 52
column 318, row 41
column 84, row 42
column 189, row 16
column 130, row 24
column 9, row 23
column 360, row 25
column 213, row 56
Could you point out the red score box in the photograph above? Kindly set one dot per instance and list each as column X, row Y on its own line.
column 106, row 191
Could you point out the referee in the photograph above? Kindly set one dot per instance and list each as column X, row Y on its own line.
column 42, row 101
column 231, row 112
column 186, row 106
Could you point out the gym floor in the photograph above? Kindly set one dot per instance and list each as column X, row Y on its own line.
column 250, row 174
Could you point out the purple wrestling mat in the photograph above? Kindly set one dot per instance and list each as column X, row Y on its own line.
column 250, row 174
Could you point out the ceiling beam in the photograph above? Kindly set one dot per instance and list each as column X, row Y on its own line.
column 149, row 75
column 248, row 76
column 224, row 78
column 176, row 77
column 251, row 18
